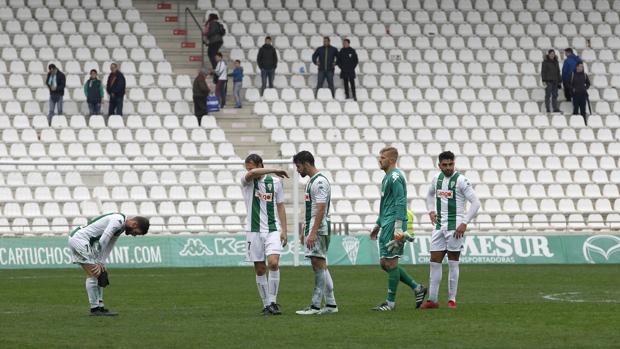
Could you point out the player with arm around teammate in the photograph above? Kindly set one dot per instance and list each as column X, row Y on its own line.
column 392, row 223
column 316, row 234
column 265, row 227
column 445, row 202
column 91, row 245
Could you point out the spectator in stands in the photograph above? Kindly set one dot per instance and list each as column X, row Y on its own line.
column 116, row 90
column 267, row 60
column 325, row 57
column 200, row 92
column 221, row 74
column 550, row 74
column 93, row 89
column 237, row 76
column 56, row 83
column 347, row 61
column 213, row 37
column 568, row 68
column 580, row 83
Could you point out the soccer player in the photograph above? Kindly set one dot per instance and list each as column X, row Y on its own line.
column 445, row 202
column 92, row 244
column 316, row 233
column 265, row 227
column 392, row 223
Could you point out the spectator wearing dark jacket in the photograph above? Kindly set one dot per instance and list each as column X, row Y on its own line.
column 116, row 90
column 580, row 83
column 200, row 91
column 93, row 89
column 568, row 68
column 55, row 81
column 267, row 60
column 213, row 37
column 347, row 61
column 550, row 74
column 326, row 58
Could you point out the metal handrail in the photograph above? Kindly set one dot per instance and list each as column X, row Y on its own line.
column 189, row 12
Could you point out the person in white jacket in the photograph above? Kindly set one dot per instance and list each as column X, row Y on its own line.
column 91, row 245
column 445, row 202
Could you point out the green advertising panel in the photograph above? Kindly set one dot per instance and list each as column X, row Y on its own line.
column 229, row 250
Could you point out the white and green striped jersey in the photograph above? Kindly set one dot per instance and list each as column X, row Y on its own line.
column 261, row 197
column 103, row 230
column 318, row 191
column 447, row 196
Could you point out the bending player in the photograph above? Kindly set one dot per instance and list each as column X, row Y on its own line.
column 392, row 223
column 445, row 202
column 92, row 244
column 265, row 227
column 316, row 233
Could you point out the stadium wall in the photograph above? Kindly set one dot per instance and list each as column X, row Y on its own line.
column 229, row 250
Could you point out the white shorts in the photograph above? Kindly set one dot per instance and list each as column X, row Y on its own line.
column 261, row 245
column 442, row 240
column 82, row 252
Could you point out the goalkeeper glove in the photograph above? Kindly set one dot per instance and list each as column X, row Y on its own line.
column 395, row 245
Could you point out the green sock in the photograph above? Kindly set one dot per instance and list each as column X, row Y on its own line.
column 393, row 278
column 407, row 279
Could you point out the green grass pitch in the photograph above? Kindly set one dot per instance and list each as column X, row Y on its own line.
column 499, row 307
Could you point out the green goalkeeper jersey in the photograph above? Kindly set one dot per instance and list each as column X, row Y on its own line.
column 393, row 205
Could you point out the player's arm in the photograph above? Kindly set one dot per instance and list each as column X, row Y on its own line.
column 318, row 219
column 400, row 205
column 430, row 202
column 279, row 197
column 259, row 172
column 470, row 195
column 108, row 239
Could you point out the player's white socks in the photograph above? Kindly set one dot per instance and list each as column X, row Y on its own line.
column 92, row 289
column 319, row 287
column 274, row 284
column 435, row 281
column 453, row 279
column 329, row 289
column 261, row 284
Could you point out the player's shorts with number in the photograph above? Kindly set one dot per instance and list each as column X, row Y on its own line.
column 261, row 245
column 442, row 240
column 82, row 252
column 321, row 245
column 386, row 235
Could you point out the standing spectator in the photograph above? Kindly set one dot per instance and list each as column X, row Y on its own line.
column 237, row 75
column 347, row 61
column 267, row 60
column 213, row 37
column 568, row 68
column 56, row 83
column 550, row 74
column 93, row 89
column 221, row 74
column 580, row 83
column 200, row 92
column 116, row 90
column 325, row 57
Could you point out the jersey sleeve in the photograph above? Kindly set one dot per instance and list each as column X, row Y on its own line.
column 279, row 192
column 468, row 191
column 320, row 190
column 399, row 196
column 109, row 237
column 242, row 180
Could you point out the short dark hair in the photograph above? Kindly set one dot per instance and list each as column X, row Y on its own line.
column 267, row 37
column 255, row 159
column 327, row 37
column 93, row 71
column 347, row 41
column 569, row 50
column 219, row 54
column 143, row 224
column 237, row 61
column 446, row 155
column 213, row 16
column 303, row 157
column 51, row 66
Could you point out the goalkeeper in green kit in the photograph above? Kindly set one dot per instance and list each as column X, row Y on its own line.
column 392, row 223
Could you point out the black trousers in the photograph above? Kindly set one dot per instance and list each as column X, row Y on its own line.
column 116, row 105
column 349, row 82
column 212, row 50
column 567, row 89
column 200, row 107
column 579, row 104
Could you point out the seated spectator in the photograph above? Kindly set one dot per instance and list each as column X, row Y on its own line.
column 267, row 60
column 93, row 89
column 221, row 74
column 568, row 68
column 550, row 74
column 237, row 75
column 200, row 92
column 56, row 83
column 580, row 83
column 325, row 57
